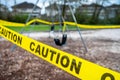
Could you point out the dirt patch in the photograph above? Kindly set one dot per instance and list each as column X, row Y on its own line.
column 22, row 65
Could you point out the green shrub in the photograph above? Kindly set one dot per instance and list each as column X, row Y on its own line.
column 82, row 18
column 21, row 18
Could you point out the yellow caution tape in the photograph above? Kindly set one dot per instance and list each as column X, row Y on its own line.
column 30, row 22
column 38, row 20
column 98, row 26
column 41, row 21
column 82, row 69
column 92, row 26
column 7, row 23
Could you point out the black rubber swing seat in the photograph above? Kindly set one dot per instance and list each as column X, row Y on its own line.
column 64, row 39
column 57, row 42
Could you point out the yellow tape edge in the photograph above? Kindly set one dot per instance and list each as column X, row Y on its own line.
column 7, row 23
column 92, row 26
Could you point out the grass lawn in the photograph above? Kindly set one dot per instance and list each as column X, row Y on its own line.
column 38, row 28
column 31, row 28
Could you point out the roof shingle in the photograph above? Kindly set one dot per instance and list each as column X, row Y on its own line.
column 25, row 5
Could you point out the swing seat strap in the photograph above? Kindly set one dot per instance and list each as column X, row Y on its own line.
column 64, row 39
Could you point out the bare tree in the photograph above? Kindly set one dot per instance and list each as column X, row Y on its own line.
column 99, row 5
column 66, row 2
column 15, row 7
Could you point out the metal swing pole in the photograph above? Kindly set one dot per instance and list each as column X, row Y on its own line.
column 52, row 18
column 60, row 17
column 77, row 27
column 22, row 30
column 30, row 14
column 64, row 36
column 51, row 11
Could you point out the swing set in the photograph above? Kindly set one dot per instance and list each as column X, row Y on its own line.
column 63, row 26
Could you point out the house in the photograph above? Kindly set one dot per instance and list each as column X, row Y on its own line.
column 3, row 8
column 26, row 8
column 3, row 11
column 88, row 9
column 113, row 10
column 109, row 11
column 53, row 9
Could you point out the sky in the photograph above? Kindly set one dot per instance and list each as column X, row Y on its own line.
column 11, row 2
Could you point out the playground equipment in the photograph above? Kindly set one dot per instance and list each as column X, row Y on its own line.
column 22, row 30
column 57, row 40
